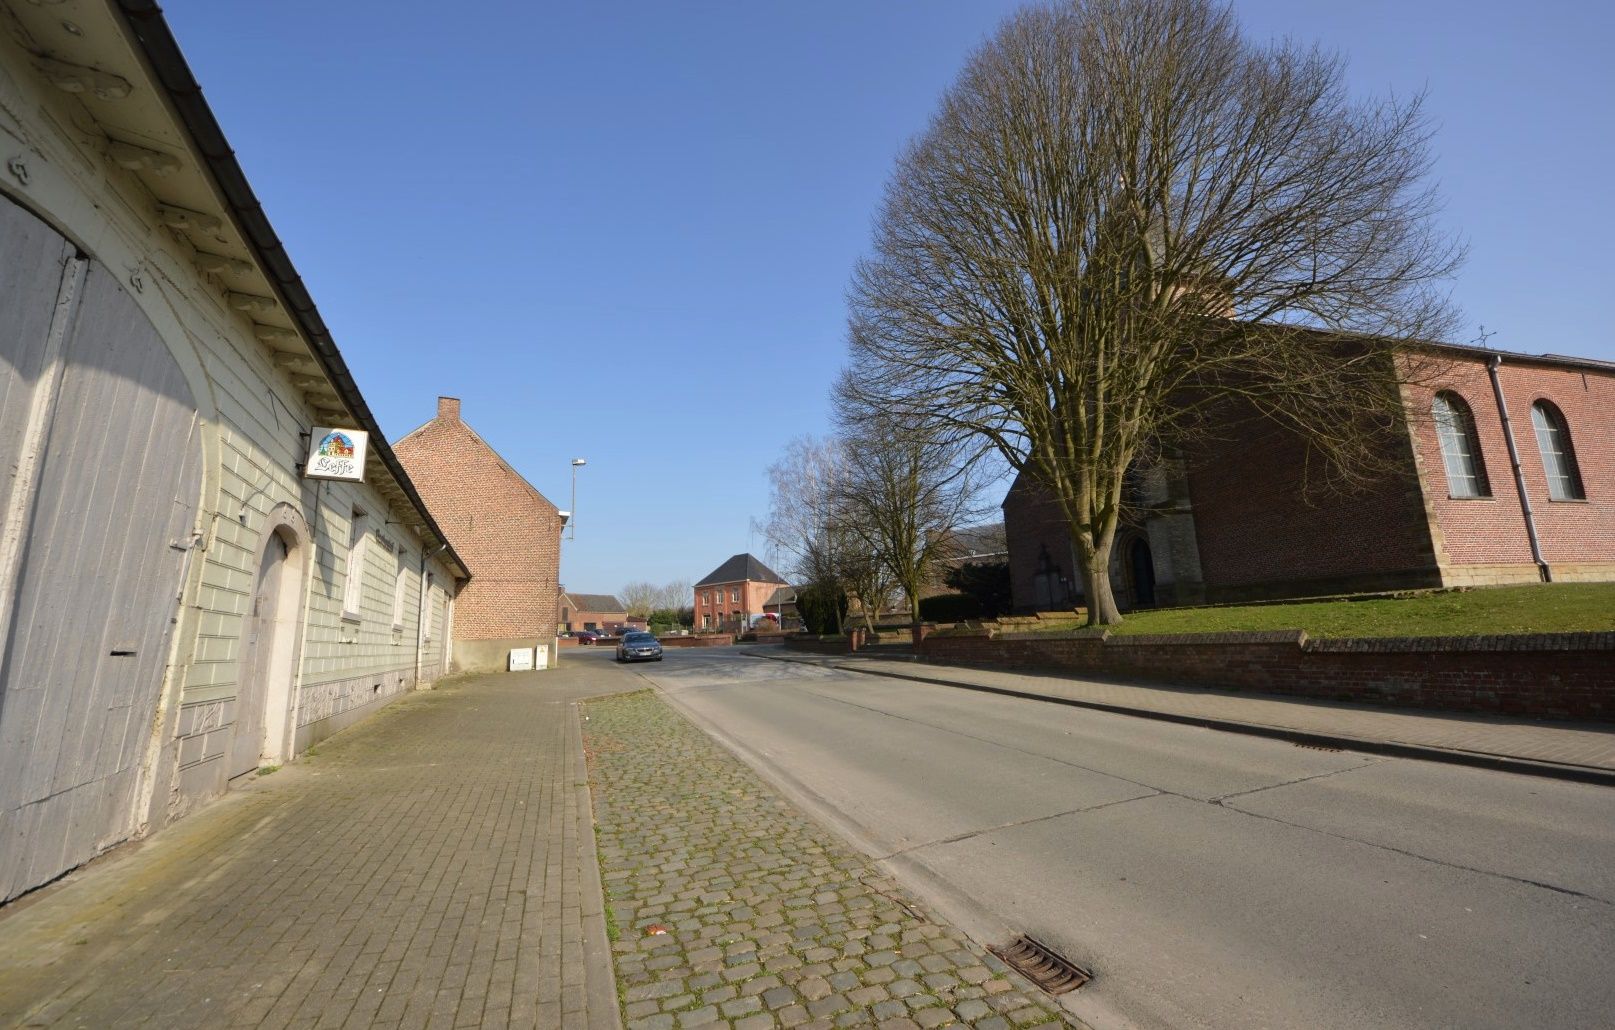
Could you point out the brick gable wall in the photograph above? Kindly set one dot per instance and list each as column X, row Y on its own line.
column 1033, row 525
column 508, row 534
column 1261, row 531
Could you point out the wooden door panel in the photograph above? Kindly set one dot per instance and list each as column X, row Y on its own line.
column 97, row 586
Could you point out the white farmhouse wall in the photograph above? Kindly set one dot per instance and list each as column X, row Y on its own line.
column 250, row 418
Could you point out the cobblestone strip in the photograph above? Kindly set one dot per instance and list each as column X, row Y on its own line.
column 734, row 909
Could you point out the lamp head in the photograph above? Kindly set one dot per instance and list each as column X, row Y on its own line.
column 578, row 461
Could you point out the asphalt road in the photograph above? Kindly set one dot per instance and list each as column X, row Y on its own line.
column 1207, row 879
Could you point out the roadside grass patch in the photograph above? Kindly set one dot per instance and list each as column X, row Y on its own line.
column 1482, row 611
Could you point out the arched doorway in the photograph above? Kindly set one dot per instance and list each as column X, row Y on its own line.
column 1142, row 565
column 268, row 652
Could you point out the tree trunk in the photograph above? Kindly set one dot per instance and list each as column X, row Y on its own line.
column 1102, row 610
column 1101, row 599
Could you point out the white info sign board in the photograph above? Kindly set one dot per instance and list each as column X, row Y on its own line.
column 336, row 454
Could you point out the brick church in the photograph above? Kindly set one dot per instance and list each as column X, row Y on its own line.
column 1508, row 478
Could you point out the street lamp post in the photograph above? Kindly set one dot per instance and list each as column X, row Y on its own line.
column 572, row 523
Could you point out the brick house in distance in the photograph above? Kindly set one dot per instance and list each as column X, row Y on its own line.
column 603, row 613
column 1505, row 474
column 507, row 532
column 734, row 592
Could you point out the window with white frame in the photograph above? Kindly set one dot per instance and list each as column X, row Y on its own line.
column 353, row 572
column 1558, row 456
column 1460, row 447
column 734, row 595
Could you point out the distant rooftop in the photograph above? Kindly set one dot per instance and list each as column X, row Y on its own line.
column 781, row 596
column 741, row 568
column 595, row 602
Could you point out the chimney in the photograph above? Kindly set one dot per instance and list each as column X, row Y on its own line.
column 448, row 409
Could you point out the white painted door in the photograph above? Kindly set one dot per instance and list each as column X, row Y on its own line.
column 257, row 663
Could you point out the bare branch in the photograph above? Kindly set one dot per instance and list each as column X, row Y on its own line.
column 1127, row 224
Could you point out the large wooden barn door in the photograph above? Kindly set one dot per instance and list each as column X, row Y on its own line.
column 99, row 435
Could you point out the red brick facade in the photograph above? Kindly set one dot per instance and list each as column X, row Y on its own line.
column 1263, row 533
column 1485, row 537
column 599, row 612
column 734, row 593
column 508, row 533
column 1258, row 532
column 726, row 605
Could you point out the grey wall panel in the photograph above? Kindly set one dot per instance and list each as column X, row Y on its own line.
column 32, row 258
column 96, row 592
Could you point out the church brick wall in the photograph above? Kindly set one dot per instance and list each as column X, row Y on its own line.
column 1484, row 539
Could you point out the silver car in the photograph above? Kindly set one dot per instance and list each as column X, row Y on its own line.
column 639, row 647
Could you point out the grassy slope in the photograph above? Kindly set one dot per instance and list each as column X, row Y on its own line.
column 1551, row 608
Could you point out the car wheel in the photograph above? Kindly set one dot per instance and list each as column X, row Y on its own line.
column 658, row 657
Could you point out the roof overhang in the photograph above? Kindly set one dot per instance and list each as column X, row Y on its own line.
column 120, row 63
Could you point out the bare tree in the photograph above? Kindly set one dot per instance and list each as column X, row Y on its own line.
column 677, row 594
column 640, row 598
column 1126, row 221
column 904, row 494
column 800, row 505
column 805, row 525
column 864, row 577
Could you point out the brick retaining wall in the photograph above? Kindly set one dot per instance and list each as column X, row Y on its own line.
column 837, row 644
column 703, row 640
column 1555, row 675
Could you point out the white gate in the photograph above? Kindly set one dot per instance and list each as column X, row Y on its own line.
column 98, row 434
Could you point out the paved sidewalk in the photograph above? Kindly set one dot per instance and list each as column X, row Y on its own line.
column 1570, row 750
column 432, row 866
column 767, row 919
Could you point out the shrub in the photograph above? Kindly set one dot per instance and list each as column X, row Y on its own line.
column 986, row 583
column 823, row 607
column 949, row 608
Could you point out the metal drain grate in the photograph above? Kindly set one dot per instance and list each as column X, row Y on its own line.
column 1317, row 747
column 1034, row 960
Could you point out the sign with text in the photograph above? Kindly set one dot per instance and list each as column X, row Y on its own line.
column 336, row 454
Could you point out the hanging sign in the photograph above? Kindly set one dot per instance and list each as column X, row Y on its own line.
column 336, row 454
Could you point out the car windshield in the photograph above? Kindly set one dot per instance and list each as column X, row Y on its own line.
column 638, row 638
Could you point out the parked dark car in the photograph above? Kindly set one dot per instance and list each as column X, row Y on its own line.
column 637, row 646
column 585, row 636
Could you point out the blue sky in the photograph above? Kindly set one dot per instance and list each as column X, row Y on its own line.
column 623, row 231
